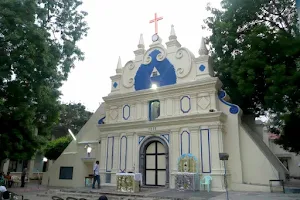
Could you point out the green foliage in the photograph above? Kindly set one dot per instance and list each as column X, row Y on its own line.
column 256, row 52
column 55, row 147
column 38, row 47
column 72, row 116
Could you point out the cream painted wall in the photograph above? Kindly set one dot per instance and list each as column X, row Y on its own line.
column 75, row 155
column 232, row 144
column 80, row 170
column 293, row 159
column 256, row 167
column 245, row 157
column 192, row 120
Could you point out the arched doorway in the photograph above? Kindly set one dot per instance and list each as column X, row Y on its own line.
column 154, row 162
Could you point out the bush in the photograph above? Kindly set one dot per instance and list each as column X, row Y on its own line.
column 55, row 147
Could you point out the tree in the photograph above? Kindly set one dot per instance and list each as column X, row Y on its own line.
column 255, row 45
column 38, row 47
column 72, row 116
column 54, row 148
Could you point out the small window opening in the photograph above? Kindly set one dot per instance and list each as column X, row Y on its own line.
column 154, row 110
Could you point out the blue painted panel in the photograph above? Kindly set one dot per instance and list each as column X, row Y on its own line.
column 115, row 84
column 141, row 138
column 125, row 158
column 189, row 108
column 167, row 74
column 112, row 153
column 126, row 116
column 234, row 109
column 189, row 142
column 202, row 150
column 101, row 121
column 202, row 68
column 166, row 136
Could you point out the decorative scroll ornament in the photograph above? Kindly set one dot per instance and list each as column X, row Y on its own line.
column 147, row 60
column 160, row 57
column 131, row 65
column 179, row 53
column 180, row 71
column 234, row 109
column 184, row 58
column 128, row 72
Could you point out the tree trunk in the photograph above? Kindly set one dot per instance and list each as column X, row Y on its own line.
column 2, row 164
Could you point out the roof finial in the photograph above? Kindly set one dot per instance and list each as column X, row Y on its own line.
column 119, row 66
column 203, row 50
column 172, row 34
column 141, row 44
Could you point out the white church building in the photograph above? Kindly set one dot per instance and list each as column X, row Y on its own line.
column 164, row 103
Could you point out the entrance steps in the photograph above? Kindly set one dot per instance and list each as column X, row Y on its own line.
column 112, row 194
column 95, row 194
column 291, row 190
column 292, row 186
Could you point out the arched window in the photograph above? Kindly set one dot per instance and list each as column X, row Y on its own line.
column 154, row 110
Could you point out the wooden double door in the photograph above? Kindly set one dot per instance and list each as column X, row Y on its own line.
column 155, row 164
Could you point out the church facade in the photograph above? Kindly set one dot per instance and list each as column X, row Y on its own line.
column 163, row 104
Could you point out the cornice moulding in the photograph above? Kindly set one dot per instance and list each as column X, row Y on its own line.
column 164, row 122
column 209, row 84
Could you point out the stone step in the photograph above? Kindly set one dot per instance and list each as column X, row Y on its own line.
column 93, row 196
column 292, row 190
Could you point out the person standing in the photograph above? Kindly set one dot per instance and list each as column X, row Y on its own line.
column 23, row 177
column 96, row 175
column 9, row 180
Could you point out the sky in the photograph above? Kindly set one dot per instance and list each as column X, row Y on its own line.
column 115, row 28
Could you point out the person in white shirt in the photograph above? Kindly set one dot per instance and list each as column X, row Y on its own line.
column 4, row 194
column 96, row 175
column 3, row 189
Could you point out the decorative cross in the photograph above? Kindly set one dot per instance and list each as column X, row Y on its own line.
column 155, row 20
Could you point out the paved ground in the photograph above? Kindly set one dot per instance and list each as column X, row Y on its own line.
column 187, row 195
column 232, row 196
column 257, row 196
column 35, row 192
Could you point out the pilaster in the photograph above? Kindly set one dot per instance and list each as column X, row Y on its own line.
column 176, row 106
column 103, row 154
column 163, row 107
column 116, row 155
column 195, row 142
column 145, row 110
column 193, row 103
column 214, row 100
column 175, row 151
column 216, row 141
column 131, row 152
column 115, row 83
